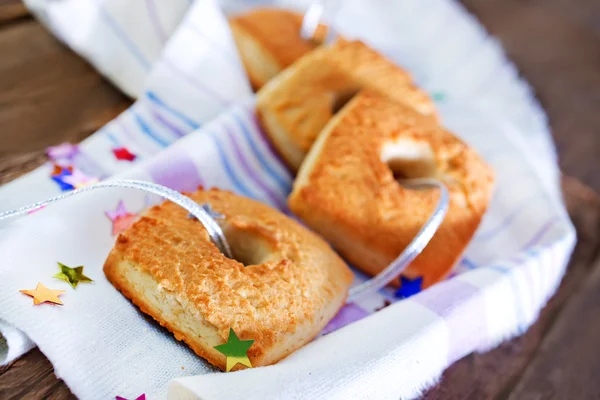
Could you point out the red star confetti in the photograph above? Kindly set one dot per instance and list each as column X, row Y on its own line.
column 41, row 294
column 121, row 218
column 62, row 151
column 121, row 153
column 141, row 397
column 78, row 179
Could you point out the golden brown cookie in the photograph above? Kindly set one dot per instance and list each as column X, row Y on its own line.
column 294, row 106
column 347, row 188
column 284, row 286
column 268, row 41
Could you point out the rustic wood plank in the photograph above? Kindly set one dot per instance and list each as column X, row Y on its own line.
column 11, row 10
column 493, row 374
column 48, row 95
column 556, row 46
column 32, row 377
column 567, row 364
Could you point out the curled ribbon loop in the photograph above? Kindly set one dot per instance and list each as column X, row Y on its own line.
column 212, row 227
column 415, row 247
column 203, row 214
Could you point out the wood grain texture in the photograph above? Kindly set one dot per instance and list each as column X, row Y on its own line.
column 48, row 95
column 12, row 10
column 567, row 364
column 556, row 47
column 496, row 373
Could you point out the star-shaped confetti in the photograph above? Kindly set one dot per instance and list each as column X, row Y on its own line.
column 78, row 179
column 121, row 218
column 141, row 397
column 121, row 153
column 59, row 168
column 235, row 350
column 42, row 294
column 71, row 275
column 62, row 151
column 59, row 174
column 409, row 287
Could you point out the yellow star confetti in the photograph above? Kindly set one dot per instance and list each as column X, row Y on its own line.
column 42, row 294
column 235, row 350
column 71, row 275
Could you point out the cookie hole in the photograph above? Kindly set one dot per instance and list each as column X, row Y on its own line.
column 341, row 98
column 409, row 159
column 247, row 247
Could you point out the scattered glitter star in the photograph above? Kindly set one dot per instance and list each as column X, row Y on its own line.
column 235, row 350
column 78, row 179
column 42, row 294
column 62, row 151
column 409, row 287
column 141, row 397
column 121, row 218
column 58, row 175
column 121, row 153
column 71, row 275
column 59, row 168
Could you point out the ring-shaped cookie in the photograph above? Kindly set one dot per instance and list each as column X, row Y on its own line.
column 295, row 106
column 269, row 40
column 347, row 188
column 281, row 289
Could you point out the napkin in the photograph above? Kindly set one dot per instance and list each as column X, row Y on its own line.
column 103, row 347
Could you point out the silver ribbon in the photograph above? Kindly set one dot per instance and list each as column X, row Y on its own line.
column 212, row 227
column 206, row 216
column 310, row 22
column 415, row 247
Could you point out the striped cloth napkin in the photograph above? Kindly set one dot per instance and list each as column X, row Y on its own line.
column 193, row 123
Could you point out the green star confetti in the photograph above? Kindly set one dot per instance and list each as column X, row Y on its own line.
column 235, row 350
column 71, row 275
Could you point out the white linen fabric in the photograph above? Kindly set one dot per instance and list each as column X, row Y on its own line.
column 193, row 124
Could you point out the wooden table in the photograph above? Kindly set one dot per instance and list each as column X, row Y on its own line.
column 49, row 95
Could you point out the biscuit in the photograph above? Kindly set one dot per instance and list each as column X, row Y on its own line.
column 281, row 289
column 347, row 188
column 296, row 105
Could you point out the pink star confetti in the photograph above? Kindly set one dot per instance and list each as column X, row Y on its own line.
column 78, row 179
column 141, row 397
column 62, row 151
column 121, row 218
column 121, row 153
